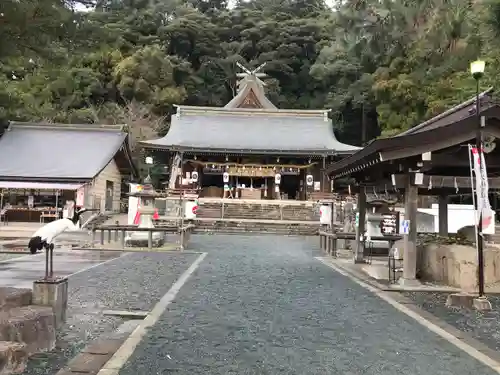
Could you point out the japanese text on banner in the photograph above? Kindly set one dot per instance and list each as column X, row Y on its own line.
column 485, row 214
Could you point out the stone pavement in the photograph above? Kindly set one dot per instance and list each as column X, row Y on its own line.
column 20, row 272
column 134, row 282
column 263, row 305
column 483, row 326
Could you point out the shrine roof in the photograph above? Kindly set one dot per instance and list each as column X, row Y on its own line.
column 48, row 151
column 452, row 115
column 453, row 127
column 251, row 130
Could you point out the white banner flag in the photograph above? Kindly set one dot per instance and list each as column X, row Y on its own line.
column 482, row 187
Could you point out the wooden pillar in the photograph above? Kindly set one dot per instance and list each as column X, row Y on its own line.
column 323, row 176
column 181, row 167
column 360, row 230
column 410, row 240
column 443, row 215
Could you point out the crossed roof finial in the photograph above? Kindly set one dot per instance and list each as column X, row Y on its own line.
column 251, row 74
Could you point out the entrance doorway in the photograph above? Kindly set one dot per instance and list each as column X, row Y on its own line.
column 109, row 196
column 290, row 186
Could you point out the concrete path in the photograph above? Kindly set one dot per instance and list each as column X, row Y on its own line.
column 265, row 305
column 20, row 272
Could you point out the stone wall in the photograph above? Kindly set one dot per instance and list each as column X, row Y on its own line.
column 456, row 265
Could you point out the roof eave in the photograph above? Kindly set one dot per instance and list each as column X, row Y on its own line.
column 46, row 179
column 178, row 148
column 447, row 113
column 409, row 141
column 117, row 128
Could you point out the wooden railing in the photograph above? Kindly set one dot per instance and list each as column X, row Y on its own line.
column 328, row 240
column 118, row 233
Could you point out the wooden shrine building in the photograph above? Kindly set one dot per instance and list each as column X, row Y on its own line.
column 434, row 158
column 250, row 149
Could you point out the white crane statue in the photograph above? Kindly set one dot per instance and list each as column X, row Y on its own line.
column 45, row 236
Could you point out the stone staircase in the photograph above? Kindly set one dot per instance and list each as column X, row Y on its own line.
column 209, row 210
column 256, row 227
column 260, row 217
column 264, row 211
column 25, row 329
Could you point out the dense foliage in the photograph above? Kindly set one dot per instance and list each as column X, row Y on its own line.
column 382, row 66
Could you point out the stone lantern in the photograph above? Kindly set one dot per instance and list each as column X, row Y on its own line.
column 146, row 210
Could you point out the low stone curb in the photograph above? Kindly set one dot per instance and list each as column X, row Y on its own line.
column 392, row 287
column 139, row 250
column 411, row 305
column 96, row 354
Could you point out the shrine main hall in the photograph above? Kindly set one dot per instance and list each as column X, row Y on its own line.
column 250, row 149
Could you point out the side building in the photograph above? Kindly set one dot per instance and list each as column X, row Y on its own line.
column 250, row 149
column 44, row 165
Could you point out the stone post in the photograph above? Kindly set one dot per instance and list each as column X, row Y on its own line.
column 443, row 215
column 53, row 293
column 410, row 240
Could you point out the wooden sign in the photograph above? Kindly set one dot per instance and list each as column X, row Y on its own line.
column 290, row 172
column 213, row 170
column 251, row 172
column 389, row 225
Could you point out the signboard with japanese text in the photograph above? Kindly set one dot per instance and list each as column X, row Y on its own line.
column 389, row 225
column 80, row 197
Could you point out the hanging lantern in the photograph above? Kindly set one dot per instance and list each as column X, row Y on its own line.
column 277, row 178
column 225, row 177
column 194, row 176
column 309, row 180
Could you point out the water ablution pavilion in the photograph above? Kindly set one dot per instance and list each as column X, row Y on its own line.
column 431, row 159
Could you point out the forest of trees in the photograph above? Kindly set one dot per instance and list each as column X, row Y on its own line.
column 380, row 65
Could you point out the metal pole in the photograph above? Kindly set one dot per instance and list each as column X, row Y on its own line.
column 474, row 191
column 1, row 205
column 57, row 204
column 46, row 264
column 51, row 268
column 479, row 189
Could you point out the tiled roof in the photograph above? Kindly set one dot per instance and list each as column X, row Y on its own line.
column 58, row 151
column 251, row 131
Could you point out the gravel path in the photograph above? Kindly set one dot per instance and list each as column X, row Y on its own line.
column 483, row 326
column 135, row 281
column 264, row 305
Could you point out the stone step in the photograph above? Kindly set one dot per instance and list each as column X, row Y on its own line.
column 14, row 297
column 249, row 231
column 31, row 325
column 234, row 227
column 271, row 212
